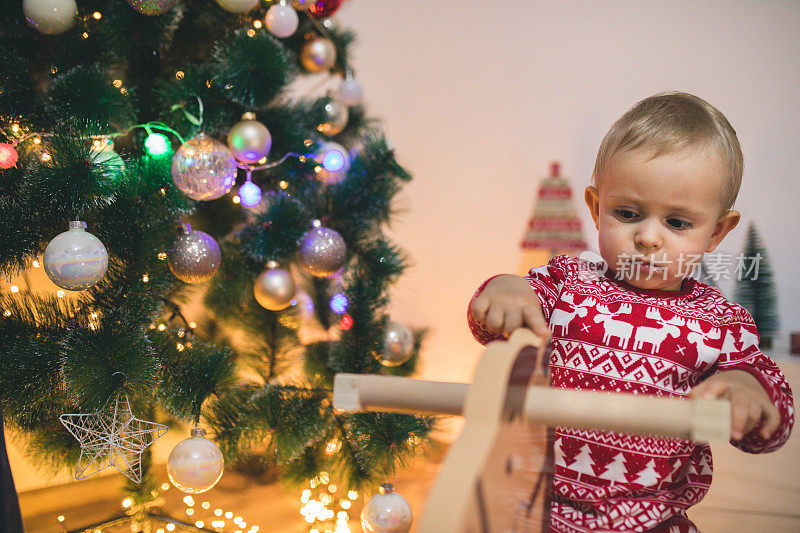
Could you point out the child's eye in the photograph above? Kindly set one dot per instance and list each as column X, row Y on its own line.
column 625, row 214
column 677, row 223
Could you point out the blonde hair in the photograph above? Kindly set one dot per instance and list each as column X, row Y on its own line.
column 669, row 122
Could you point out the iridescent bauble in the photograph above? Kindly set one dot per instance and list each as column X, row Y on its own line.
column 281, row 20
column 335, row 118
column 274, row 289
column 203, row 169
column 75, row 260
column 322, row 251
column 350, row 91
column 194, row 257
column 397, row 344
column 152, row 7
column 324, row 8
column 237, row 6
column 318, row 54
column 249, row 140
column 50, row 17
column 8, row 156
column 334, row 162
column 195, row 464
column 386, row 512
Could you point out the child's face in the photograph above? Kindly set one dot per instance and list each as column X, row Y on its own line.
column 656, row 217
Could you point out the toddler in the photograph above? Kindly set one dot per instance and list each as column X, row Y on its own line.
column 663, row 187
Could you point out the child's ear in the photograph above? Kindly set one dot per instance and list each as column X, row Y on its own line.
column 592, row 197
column 724, row 225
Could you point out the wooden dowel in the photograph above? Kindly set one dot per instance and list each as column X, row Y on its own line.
column 695, row 419
column 360, row 392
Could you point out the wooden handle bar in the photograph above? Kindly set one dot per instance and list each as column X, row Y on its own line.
column 695, row 419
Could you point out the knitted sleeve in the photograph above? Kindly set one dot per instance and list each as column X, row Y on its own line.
column 740, row 352
column 546, row 282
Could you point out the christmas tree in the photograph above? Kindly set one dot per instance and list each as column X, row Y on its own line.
column 131, row 123
column 755, row 288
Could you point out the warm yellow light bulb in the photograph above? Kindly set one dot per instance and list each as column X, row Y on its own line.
column 161, row 327
column 60, row 518
column 170, row 527
column 145, row 278
column 14, row 288
column 127, row 502
column 97, row 15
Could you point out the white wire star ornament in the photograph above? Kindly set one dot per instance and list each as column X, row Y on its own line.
column 112, row 437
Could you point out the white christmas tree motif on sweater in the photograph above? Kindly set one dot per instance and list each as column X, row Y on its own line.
column 747, row 339
column 655, row 336
column 615, row 470
column 705, row 354
column 615, row 328
column 675, row 467
column 583, row 462
column 558, row 453
column 562, row 319
column 648, row 476
column 729, row 344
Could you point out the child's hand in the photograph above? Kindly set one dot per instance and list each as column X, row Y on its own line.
column 507, row 303
column 750, row 403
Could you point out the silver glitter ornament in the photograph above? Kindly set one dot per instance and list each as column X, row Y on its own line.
column 195, row 256
column 397, row 344
column 335, row 119
column 203, row 169
column 152, row 7
column 249, row 140
column 386, row 512
column 274, row 289
column 75, row 260
column 318, row 54
column 322, row 251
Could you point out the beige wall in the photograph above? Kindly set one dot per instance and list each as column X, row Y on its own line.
column 478, row 97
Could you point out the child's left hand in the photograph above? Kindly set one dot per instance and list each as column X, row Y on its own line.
column 750, row 403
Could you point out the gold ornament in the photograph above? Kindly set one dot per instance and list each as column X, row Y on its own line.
column 318, row 54
column 249, row 140
column 274, row 289
column 336, row 117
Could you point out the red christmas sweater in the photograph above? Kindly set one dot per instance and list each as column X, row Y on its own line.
column 610, row 336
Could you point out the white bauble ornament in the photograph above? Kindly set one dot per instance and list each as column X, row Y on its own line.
column 203, row 169
column 350, row 91
column 281, row 20
column 195, row 464
column 335, row 119
column 152, row 7
column 237, row 6
column 249, row 140
column 274, row 289
column 322, row 251
column 318, row 54
column 50, row 17
column 194, row 257
column 397, row 344
column 386, row 512
column 334, row 162
column 75, row 260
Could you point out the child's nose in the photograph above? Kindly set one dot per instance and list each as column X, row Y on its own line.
column 648, row 236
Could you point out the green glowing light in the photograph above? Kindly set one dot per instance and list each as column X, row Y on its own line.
column 157, row 144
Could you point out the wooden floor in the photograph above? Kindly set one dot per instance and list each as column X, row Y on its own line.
column 750, row 493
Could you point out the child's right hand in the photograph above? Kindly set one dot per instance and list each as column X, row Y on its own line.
column 506, row 303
